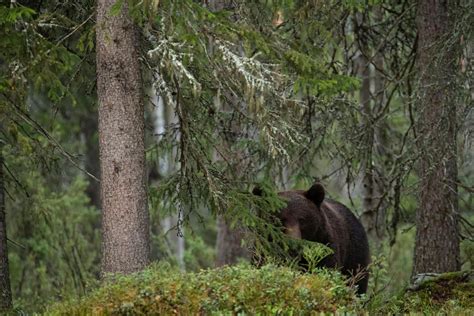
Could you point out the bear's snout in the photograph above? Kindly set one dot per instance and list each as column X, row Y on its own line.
column 293, row 230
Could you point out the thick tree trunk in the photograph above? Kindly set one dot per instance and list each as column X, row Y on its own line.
column 437, row 235
column 5, row 289
column 125, row 219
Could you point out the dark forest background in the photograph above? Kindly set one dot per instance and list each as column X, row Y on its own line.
column 371, row 98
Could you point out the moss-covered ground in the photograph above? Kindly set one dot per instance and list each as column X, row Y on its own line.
column 450, row 293
column 270, row 290
column 237, row 290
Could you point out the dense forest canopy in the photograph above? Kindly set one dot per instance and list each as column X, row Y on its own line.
column 201, row 102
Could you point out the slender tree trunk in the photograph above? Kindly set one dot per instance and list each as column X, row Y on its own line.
column 229, row 248
column 177, row 236
column 369, row 202
column 381, row 130
column 437, row 234
column 5, row 289
column 373, row 213
column 164, row 118
column 125, row 219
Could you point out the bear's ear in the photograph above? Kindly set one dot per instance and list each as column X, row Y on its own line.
column 257, row 191
column 316, row 194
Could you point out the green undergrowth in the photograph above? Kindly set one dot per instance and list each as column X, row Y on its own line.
column 450, row 293
column 446, row 294
column 270, row 290
column 236, row 290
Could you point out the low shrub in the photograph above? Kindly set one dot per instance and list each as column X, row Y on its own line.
column 236, row 290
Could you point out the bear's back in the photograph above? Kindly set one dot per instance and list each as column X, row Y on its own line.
column 349, row 234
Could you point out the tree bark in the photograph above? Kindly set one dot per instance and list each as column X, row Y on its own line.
column 164, row 118
column 437, row 234
column 5, row 289
column 368, row 190
column 373, row 214
column 381, row 130
column 369, row 203
column 125, row 219
column 228, row 245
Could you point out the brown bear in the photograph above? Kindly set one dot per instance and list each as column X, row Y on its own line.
column 310, row 216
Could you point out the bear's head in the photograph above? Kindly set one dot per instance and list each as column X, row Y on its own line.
column 302, row 218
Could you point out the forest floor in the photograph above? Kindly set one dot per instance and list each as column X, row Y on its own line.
column 270, row 290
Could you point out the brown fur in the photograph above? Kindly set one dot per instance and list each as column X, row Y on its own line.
column 331, row 223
